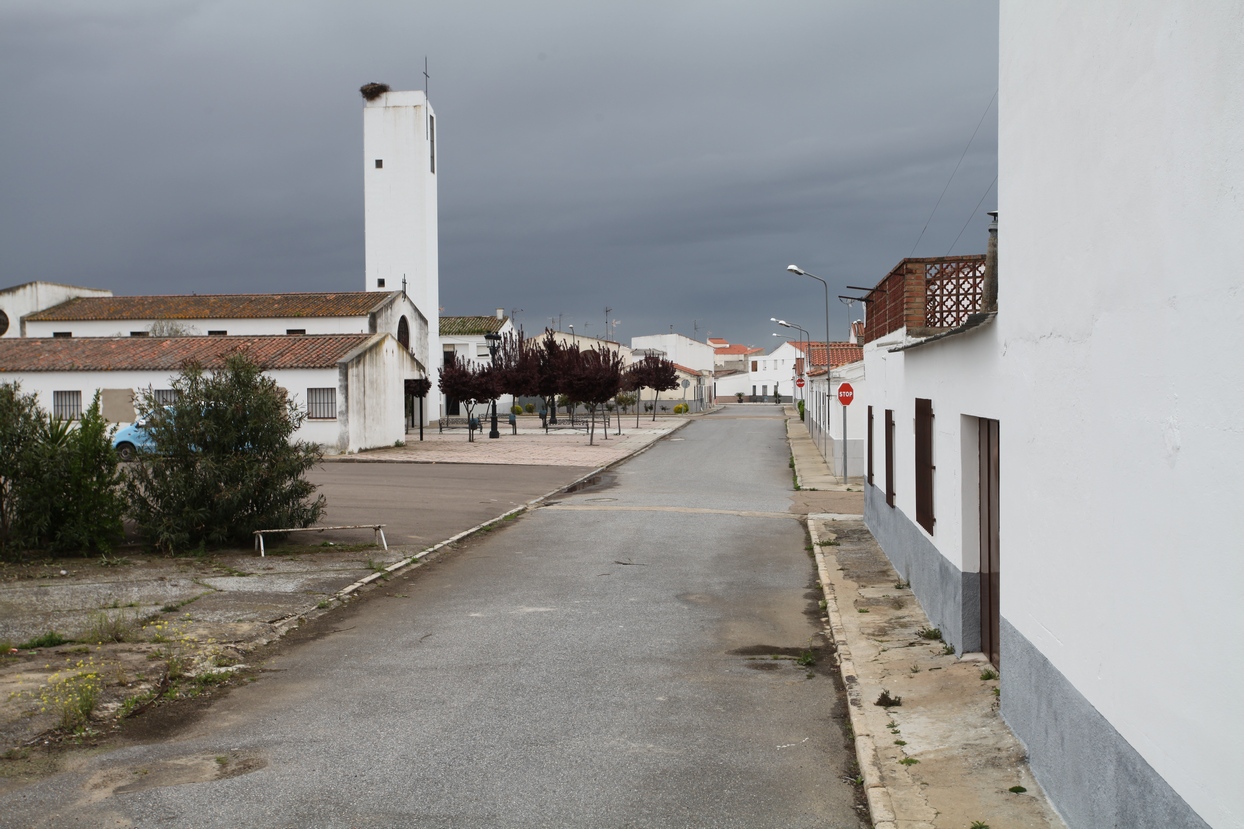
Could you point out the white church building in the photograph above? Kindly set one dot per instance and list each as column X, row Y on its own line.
column 348, row 352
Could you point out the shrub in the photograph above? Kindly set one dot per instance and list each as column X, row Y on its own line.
column 530, row 408
column 738, row 395
column 223, row 463
column 516, row 410
column 58, row 480
column 20, row 419
column 681, row 408
column 800, row 409
column 74, row 501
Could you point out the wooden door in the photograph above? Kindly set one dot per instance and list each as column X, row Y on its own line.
column 991, row 616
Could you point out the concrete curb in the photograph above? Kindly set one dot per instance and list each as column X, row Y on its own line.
column 417, row 559
column 880, row 805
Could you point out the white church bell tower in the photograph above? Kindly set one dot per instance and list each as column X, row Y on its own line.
column 399, row 198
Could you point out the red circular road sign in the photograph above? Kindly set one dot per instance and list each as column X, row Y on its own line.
column 846, row 394
column 799, row 382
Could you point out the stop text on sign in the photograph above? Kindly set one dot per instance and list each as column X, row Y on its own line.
column 846, row 394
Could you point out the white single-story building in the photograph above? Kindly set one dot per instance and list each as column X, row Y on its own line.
column 1057, row 472
column 20, row 301
column 350, row 385
column 824, row 412
column 678, row 349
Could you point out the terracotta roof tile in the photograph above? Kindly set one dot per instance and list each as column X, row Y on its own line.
column 470, row 326
column 737, row 349
column 215, row 306
column 172, row 353
column 840, row 353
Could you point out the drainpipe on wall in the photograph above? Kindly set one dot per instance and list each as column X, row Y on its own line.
column 989, row 296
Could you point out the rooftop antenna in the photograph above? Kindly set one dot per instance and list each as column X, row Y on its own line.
column 403, row 284
column 607, row 310
column 514, row 312
column 695, row 329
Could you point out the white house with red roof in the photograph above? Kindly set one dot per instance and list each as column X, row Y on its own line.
column 349, row 385
column 1058, row 438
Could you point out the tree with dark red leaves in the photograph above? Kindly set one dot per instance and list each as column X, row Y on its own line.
column 593, row 379
column 652, row 372
column 468, row 384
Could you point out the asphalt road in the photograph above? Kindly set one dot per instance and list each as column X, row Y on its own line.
column 624, row 658
column 422, row 503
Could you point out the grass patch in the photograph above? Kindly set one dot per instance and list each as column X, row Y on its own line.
column 908, row 761
column 933, row 634
column 988, row 674
column 1017, row 790
column 888, row 700
column 48, row 640
column 104, row 627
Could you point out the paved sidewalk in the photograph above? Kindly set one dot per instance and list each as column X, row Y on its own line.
column 563, row 447
column 811, row 470
column 943, row 758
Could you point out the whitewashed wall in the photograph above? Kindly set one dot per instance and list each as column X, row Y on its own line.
column 400, row 205
column 1113, row 368
column 235, row 327
column 679, row 349
column 20, row 300
column 823, row 415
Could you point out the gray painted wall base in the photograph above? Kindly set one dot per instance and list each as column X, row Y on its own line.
column 949, row 597
column 1091, row 773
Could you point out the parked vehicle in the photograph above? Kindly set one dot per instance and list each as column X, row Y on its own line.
column 129, row 440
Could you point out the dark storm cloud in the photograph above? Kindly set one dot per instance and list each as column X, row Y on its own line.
column 665, row 159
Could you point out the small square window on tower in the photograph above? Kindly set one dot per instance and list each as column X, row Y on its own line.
column 380, row 283
column 379, row 163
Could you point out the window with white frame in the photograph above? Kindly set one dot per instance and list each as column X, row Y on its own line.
column 322, row 404
column 66, row 405
column 481, row 350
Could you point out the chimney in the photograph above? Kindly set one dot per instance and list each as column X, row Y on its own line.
column 500, row 313
column 989, row 296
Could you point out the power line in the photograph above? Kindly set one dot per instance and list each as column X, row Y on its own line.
column 972, row 215
column 988, row 106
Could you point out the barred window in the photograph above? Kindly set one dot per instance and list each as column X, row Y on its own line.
column 66, row 405
column 322, row 404
column 165, row 397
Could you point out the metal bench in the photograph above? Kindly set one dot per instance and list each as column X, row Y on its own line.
column 377, row 532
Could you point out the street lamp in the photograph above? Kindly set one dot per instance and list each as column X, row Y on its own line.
column 829, row 372
column 493, row 340
column 802, row 333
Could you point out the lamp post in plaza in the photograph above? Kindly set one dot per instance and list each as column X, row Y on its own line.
column 493, row 340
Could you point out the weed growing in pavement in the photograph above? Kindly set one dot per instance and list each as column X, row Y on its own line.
column 113, row 561
column 909, row 761
column 948, row 649
column 1017, row 790
column 104, row 627
column 323, row 603
column 823, row 604
column 807, row 659
column 997, row 692
column 830, row 543
column 900, row 742
column 988, row 674
column 934, row 634
column 979, row 824
column 915, row 669
column 222, row 760
column 888, row 700
column 902, row 585
column 862, row 610
column 48, row 640
column 71, row 694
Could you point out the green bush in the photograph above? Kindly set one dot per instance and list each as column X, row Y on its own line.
column 20, row 419
column 681, row 408
column 531, row 408
column 801, row 410
column 516, row 409
column 223, row 464
column 59, row 485
column 74, row 502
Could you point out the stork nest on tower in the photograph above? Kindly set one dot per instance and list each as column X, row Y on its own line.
column 372, row 91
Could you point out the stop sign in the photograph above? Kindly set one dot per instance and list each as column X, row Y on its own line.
column 846, row 394
column 799, row 382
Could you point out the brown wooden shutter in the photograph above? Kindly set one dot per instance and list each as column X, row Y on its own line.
column 889, row 456
column 924, row 464
column 870, row 445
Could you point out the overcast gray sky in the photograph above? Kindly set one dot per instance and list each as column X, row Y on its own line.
column 666, row 159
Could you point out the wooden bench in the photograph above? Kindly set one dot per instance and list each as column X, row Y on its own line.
column 377, row 532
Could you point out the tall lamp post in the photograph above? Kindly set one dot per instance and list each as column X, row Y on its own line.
column 493, row 340
column 803, row 332
column 829, row 372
